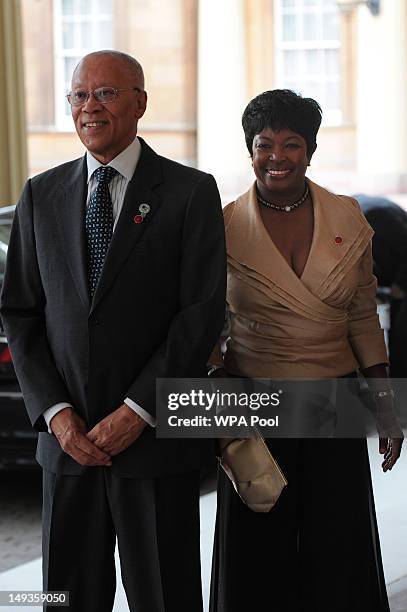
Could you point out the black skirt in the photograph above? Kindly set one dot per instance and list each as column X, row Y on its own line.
column 317, row 550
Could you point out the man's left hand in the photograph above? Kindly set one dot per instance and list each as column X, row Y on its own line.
column 117, row 431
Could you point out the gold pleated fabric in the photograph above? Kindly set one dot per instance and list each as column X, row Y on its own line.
column 320, row 325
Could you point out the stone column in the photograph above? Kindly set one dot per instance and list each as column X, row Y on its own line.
column 382, row 98
column 222, row 94
column 13, row 138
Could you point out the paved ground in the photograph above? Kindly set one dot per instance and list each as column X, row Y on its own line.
column 20, row 533
column 398, row 603
column 20, row 518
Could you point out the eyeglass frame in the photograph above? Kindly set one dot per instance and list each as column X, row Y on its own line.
column 92, row 92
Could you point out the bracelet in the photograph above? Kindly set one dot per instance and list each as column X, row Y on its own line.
column 384, row 393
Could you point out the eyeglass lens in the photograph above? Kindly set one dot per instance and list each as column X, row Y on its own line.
column 101, row 94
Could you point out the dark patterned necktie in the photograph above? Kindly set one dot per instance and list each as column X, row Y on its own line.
column 99, row 224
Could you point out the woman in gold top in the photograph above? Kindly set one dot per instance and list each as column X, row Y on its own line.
column 301, row 298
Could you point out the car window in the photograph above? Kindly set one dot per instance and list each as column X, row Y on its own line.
column 5, row 228
column 3, row 254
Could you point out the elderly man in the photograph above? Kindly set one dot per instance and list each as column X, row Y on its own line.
column 115, row 277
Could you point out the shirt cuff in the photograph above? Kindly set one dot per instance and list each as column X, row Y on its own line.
column 146, row 416
column 51, row 412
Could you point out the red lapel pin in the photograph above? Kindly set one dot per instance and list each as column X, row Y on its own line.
column 144, row 209
column 338, row 240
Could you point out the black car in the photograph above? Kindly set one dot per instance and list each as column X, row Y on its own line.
column 17, row 438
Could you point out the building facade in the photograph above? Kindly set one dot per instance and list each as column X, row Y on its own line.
column 204, row 60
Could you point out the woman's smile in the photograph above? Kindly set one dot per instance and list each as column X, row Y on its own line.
column 279, row 174
column 279, row 161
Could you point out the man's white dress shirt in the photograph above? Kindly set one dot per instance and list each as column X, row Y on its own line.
column 125, row 163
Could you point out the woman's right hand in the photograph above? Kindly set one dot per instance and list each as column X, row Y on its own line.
column 391, row 449
column 391, row 435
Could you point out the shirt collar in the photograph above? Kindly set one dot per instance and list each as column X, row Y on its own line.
column 125, row 163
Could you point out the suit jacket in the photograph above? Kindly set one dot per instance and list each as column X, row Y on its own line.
column 389, row 222
column 157, row 311
column 323, row 324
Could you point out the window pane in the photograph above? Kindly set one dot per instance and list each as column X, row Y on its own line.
column 84, row 7
column 314, row 62
column 67, row 108
column 291, row 63
column 105, row 7
column 333, row 100
column 289, row 23
column 332, row 62
column 311, row 26
column 311, row 2
column 69, row 65
column 331, row 26
column 293, row 85
column 86, row 41
column 104, row 34
column 315, row 90
column 68, row 35
column 67, row 7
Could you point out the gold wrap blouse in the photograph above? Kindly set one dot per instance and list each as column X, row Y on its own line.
column 320, row 325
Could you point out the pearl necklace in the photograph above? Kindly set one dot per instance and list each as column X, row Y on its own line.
column 288, row 207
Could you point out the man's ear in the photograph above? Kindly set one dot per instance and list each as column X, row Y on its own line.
column 141, row 104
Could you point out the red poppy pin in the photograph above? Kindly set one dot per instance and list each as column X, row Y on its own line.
column 144, row 209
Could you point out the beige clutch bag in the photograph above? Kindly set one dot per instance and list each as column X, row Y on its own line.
column 254, row 472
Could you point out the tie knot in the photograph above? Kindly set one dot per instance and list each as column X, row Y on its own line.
column 104, row 174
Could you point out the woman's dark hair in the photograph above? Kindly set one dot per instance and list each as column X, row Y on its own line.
column 281, row 109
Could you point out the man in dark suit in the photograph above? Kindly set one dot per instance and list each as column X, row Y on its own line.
column 389, row 222
column 115, row 277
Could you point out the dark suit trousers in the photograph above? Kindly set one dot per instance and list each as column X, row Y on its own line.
column 157, row 526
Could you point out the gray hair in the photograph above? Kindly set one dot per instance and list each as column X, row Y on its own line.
column 131, row 63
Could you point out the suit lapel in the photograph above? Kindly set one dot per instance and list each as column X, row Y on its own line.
column 127, row 233
column 70, row 212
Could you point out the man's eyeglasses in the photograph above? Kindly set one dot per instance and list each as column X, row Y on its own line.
column 104, row 95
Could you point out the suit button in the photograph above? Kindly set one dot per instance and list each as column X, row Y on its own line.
column 96, row 322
